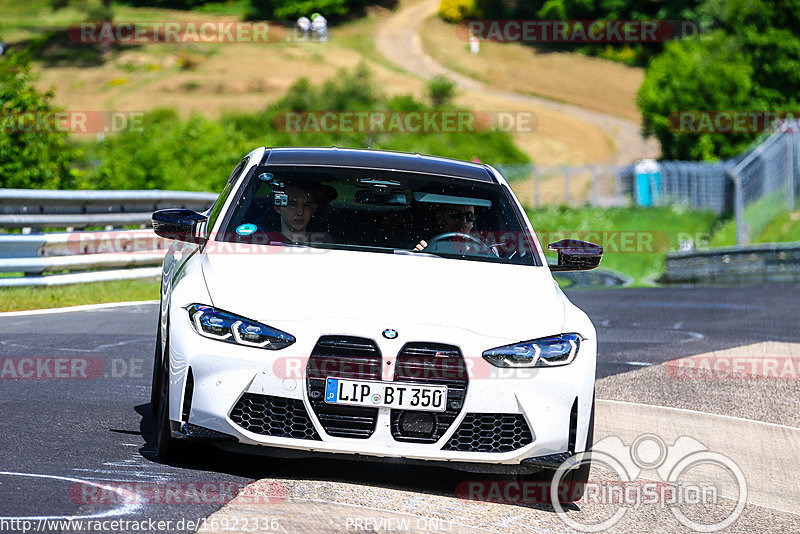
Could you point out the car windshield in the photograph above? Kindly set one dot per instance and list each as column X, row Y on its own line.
column 378, row 211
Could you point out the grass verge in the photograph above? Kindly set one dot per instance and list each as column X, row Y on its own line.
column 589, row 82
column 635, row 240
column 32, row 298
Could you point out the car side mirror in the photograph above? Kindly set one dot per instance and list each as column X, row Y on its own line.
column 576, row 255
column 179, row 224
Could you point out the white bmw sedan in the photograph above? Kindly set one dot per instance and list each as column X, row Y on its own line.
column 373, row 305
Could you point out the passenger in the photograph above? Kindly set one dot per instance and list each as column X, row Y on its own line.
column 301, row 205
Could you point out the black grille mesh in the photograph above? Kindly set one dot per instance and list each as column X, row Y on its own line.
column 343, row 357
column 490, row 432
column 274, row 416
column 430, row 363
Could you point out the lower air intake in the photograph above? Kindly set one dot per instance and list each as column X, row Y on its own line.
column 274, row 416
column 490, row 432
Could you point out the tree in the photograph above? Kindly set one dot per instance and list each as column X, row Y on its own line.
column 751, row 63
column 30, row 156
column 708, row 73
column 103, row 13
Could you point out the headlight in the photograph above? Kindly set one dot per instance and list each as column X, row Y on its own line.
column 544, row 352
column 230, row 328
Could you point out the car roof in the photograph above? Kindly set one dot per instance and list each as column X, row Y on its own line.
column 379, row 160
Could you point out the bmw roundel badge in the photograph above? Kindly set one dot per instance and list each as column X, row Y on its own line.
column 390, row 333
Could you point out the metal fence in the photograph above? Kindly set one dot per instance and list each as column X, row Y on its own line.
column 697, row 185
column 755, row 187
column 120, row 244
column 766, row 182
column 596, row 185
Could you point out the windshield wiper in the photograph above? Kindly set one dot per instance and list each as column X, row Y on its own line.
column 343, row 246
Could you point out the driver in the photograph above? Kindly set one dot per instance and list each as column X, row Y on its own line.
column 451, row 218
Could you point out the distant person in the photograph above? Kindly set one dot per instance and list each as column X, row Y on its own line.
column 319, row 27
column 304, row 25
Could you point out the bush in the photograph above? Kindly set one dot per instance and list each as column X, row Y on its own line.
column 441, row 91
column 199, row 153
column 196, row 155
column 29, row 159
column 752, row 63
column 167, row 4
column 703, row 74
column 291, row 10
column 456, row 10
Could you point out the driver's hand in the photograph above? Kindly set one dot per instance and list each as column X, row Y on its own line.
column 421, row 245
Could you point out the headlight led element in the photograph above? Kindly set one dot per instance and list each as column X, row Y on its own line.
column 544, row 352
column 223, row 326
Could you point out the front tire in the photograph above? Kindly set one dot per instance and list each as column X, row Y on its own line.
column 155, row 386
column 576, row 479
column 573, row 482
column 168, row 448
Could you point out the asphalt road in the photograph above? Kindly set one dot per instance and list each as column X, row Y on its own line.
column 59, row 433
column 654, row 325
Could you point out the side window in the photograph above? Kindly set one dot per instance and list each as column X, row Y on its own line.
column 223, row 196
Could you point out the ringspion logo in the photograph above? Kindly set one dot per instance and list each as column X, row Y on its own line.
column 690, row 475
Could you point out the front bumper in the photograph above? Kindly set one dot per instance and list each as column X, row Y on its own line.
column 554, row 404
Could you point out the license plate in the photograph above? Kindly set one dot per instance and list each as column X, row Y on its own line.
column 386, row 394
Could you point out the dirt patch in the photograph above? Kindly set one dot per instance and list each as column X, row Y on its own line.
column 589, row 82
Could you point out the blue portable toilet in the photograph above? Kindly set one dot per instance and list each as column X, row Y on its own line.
column 647, row 182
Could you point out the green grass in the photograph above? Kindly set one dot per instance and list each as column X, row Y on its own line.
column 764, row 226
column 30, row 298
column 635, row 240
column 234, row 8
column 358, row 35
column 784, row 227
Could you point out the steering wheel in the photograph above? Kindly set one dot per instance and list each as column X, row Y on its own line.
column 470, row 241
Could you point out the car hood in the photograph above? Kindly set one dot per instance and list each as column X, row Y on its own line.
column 286, row 284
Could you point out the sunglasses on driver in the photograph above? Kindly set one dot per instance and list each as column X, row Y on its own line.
column 460, row 215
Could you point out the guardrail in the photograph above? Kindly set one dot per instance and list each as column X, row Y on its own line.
column 752, row 264
column 33, row 208
column 84, row 256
